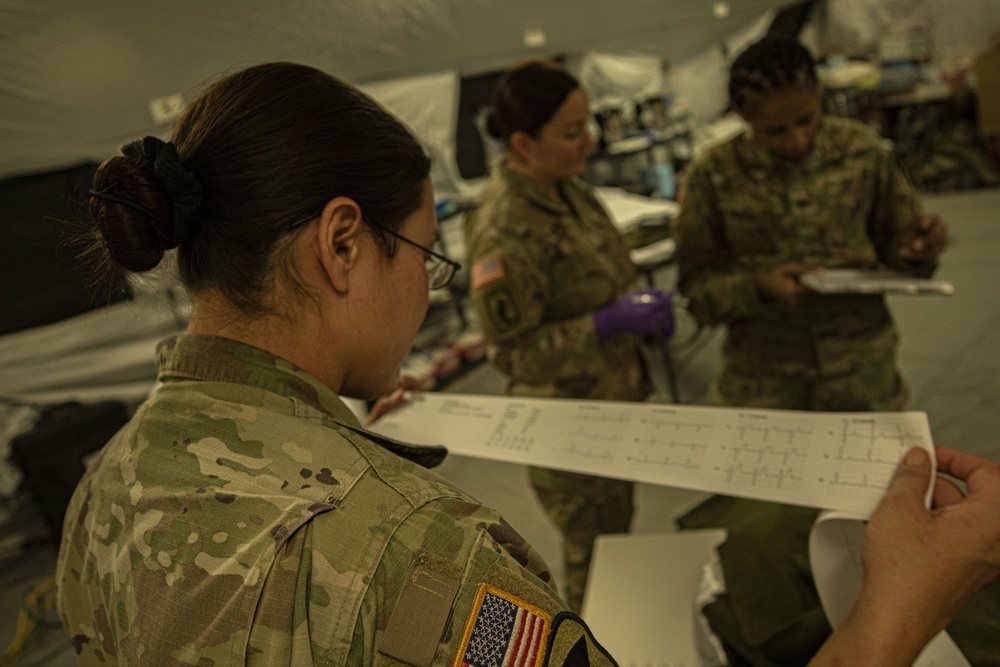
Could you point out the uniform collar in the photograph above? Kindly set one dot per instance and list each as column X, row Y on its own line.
column 216, row 359
column 532, row 192
column 763, row 163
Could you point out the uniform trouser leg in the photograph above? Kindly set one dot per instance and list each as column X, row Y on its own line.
column 582, row 507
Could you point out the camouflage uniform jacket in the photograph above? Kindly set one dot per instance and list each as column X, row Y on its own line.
column 540, row 268
column 746, row 211
column 243, row 517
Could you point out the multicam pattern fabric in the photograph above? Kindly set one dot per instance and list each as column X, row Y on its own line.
column 545, row 266
column 561, row 261
column 747, row 211
column 243, row 517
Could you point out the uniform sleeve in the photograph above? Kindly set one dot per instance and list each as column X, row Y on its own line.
column 717, row 291
column 895, row 208
column 510, row 293
column 456, row 581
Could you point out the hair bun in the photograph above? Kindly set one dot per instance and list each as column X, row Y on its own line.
column 493, row 126
column 126, row 229
column 184, row 189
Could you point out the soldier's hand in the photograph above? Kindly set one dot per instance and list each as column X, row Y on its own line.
column 782, row 284
column 383, row 406
column 945, row 554
column 643, row 312
column 921, row 565
column 924, row 240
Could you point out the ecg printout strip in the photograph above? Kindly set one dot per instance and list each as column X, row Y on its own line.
column 838, row 461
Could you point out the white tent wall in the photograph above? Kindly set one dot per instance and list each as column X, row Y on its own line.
column 959, row 29
column 77, row 81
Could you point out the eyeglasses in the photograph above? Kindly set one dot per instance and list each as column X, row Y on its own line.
column 440, row 269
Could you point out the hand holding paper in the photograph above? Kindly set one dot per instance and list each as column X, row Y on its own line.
column 938, row 557
column 921, row 565
column 782, row 284
column 399, row 396
column 924, row 240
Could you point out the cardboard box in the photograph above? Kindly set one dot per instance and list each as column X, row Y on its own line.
column 988, row 88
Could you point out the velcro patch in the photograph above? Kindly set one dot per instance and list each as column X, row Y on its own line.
column 503, row 631
column 421, row 613
column 487, row 270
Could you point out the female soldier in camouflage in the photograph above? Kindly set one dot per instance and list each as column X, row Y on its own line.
column 243, row 517
column 798, row 192
column 550, row 282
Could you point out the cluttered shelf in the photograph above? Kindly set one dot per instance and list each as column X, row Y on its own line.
column 944, row 125
column 943, row 122
column 641, row 147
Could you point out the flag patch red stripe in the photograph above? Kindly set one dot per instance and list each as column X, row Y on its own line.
column 503, row 631
column 487, row 270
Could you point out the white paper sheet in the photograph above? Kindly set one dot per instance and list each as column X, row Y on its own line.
column 658, row 252
column 838, row 281
column 839, row 461
column 834, row 461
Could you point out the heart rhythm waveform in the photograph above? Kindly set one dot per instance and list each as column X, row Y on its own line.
column 667, row 453
column 765, row 456
column 866, row 441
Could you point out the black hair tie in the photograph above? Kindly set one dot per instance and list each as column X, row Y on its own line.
column 182, row 186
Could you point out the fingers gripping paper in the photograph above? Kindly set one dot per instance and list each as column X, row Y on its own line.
column 835, row 558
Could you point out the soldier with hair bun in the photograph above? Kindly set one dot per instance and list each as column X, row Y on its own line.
column 555, row 289
column 243, row 516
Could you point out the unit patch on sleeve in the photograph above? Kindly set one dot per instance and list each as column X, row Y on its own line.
column 487, row 270
column 502, row 310
column 503, row 631
column 572, row 644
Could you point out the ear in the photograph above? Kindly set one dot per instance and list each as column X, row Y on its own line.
column 339, row 226
column 522, row 145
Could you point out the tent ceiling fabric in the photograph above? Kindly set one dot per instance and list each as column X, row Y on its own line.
column 76, row 79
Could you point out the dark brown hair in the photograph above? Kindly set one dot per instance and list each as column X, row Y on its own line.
column 527, row 96
column 268, row 145
column 774, row 63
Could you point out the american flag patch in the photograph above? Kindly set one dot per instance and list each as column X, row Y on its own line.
column 487, row 270
column 503, row 631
